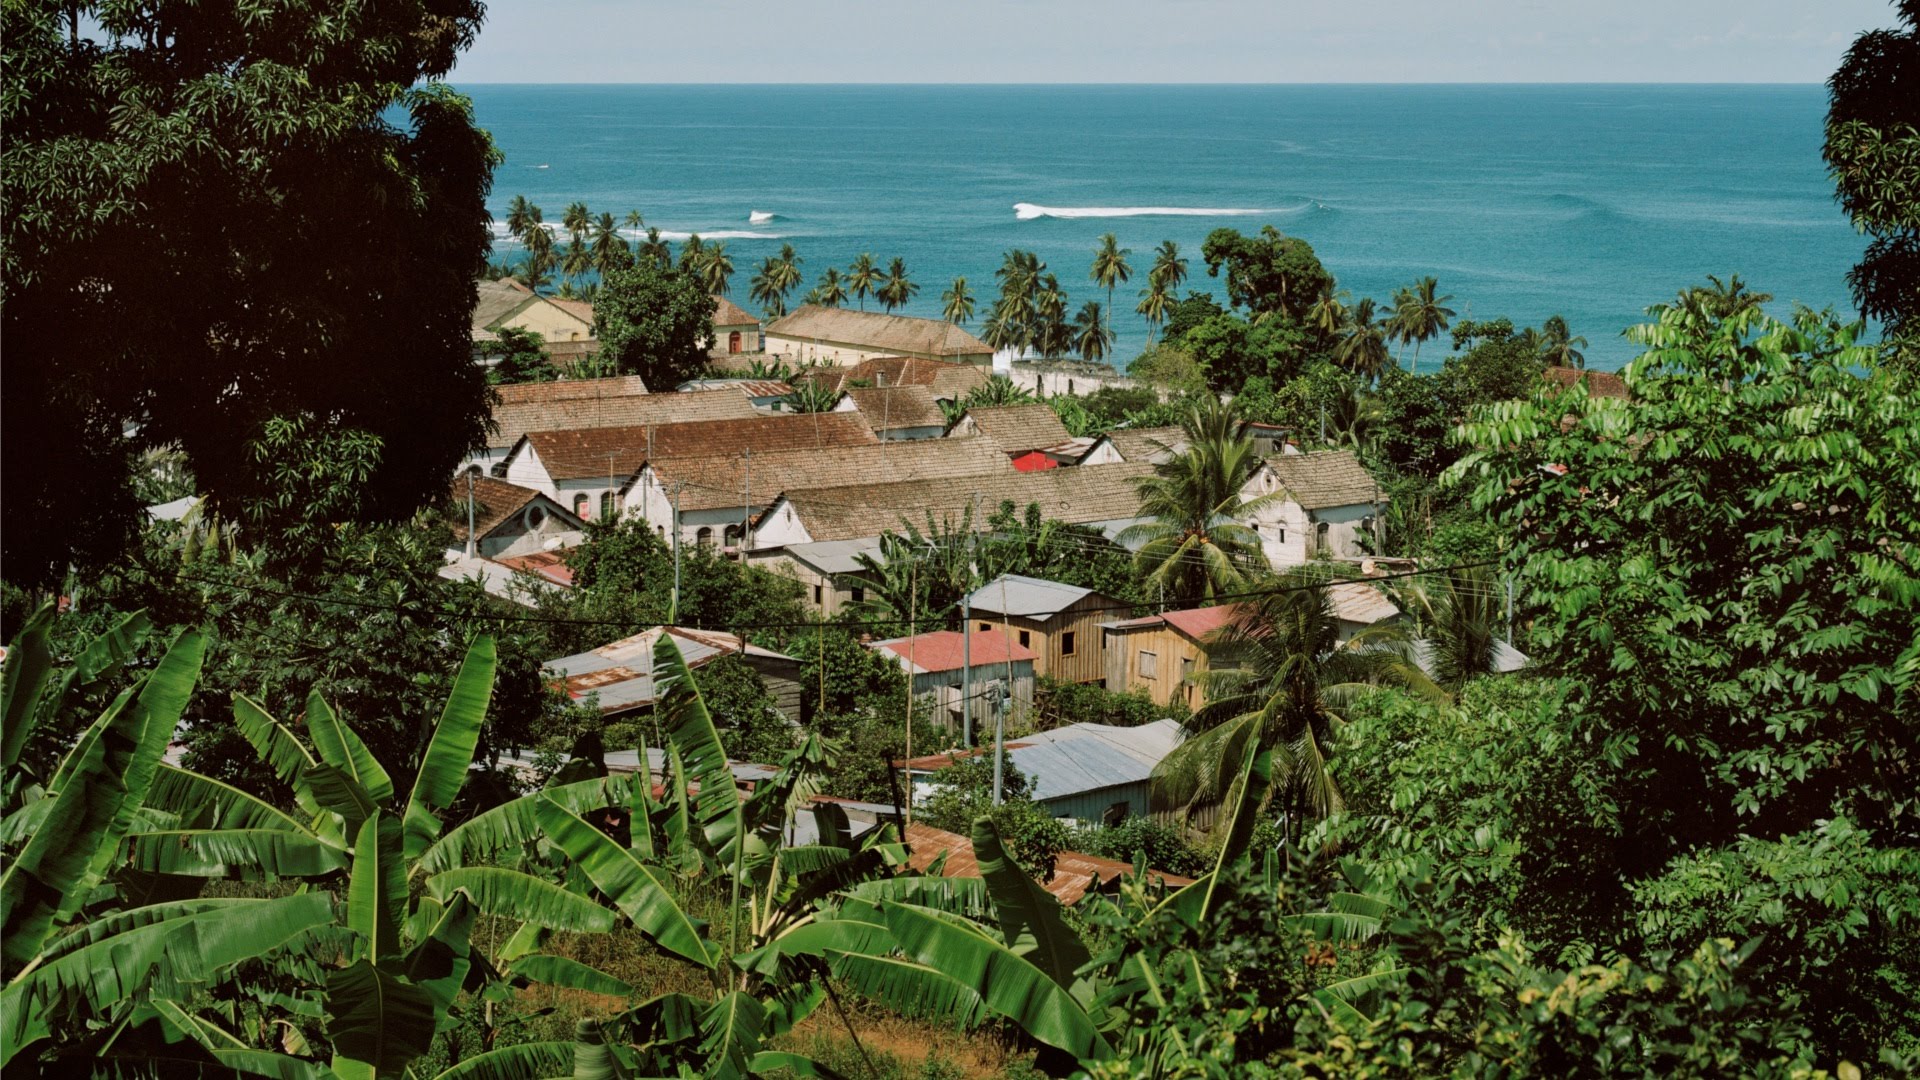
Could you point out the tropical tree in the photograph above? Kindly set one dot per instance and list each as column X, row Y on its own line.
column 716, row 269
column 788, row 277
column 1873, row 154
column 1155, row 302
column 1457, row 618
column 898, row 288
column 610, row 250
column 831, row 292
column 577, row 261
column 1329, row 312
column 1006, row 328
column 1169, row 267
column 633, row 222
column 1559, row 347
column 1362, row 347
column 1110, row 269
column 809, row 396
column 1419, row 315
column 863, row 277
column 1091, row 335
column 577, row 221
column 766, row 290
column 1196, row 546
column 658, row 251
column 1721, row 299
column 520, row 217
column 693, row 255
column 1047, row 326
column 957, row 303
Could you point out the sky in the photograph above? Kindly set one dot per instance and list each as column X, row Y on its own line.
column 1165, row 41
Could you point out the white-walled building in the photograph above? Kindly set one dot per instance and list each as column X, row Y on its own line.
column 897, row 413
column 1329, row 501
column 812, row 334
column 510, row 520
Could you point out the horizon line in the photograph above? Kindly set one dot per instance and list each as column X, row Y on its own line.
column 1250, row 85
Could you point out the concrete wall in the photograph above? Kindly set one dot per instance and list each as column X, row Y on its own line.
column 779, row 529
column 1072, row 384
column 749, row 338
column 549, row 322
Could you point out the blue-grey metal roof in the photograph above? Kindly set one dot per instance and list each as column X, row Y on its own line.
column 1080, row 758
column 837, row 556
column 1032, row 598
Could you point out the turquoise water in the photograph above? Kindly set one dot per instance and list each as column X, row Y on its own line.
column 1525, row 201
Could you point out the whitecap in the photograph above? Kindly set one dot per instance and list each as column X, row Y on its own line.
column 1030, row 211
column 759, row 217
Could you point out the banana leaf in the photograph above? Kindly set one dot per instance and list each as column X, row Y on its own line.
column 444, row 767
column 515, row 895
column 341, row 748
column 183, row 792
column 377, row 891
column 438, row 964
column 279, row 747
column 570, row 974
column 636, row 888
column 732, row 1031
column 513, row 824
column 22, row 679
column 1031, row 922
column 527, row 1061
column 683, row 713
column 240, row 854
column 377, row 1021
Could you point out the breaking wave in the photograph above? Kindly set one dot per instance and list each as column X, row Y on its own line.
column 759, row 217
column 1030, row 211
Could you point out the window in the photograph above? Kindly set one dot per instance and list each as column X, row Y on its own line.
column 1025, row 639
column 704, row 537
column 1066, row 643
column 1115, row 814
column 536, row 517
column 732, row 536
column 606, row 505
column 1149, row 665
column 986, row 626
column 858, row 594
column 817, row 596
column 1280, row 534
column 582, row 507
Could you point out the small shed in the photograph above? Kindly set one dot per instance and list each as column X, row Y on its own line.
column 1099, row 774
column 1059, row 622
column 936, row 661
column 1160, row 654
column 620, row 675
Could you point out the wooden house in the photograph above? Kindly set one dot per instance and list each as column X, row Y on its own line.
column 1060, row 623
column 1159, row 654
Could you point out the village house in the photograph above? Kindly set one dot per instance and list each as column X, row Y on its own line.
column 830, row 572
column 812, row 334
column 947, row 383
column 1025, row 433
column 1060, row 623
column 763, row 394
column 712, row 498
column 1153, row 446
column 1160, row 654
column 1329, row 501
column 936, row 661
column 619, row 676
column 506, row 303
column 585, row 469
column 897, row 413
column 1089, row 495
column 572, row 404
column 508, row 519
column 735, row 330
column 1095, row 774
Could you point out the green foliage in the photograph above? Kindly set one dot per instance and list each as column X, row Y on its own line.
column 1873, row 152
column 1188, row 313
column 1230, row 352
column 1268, row 274
column 518, row 357
column 1076, row 703
column 1164, row 365
column 1197, row 546
column 751, row 727
column 264, row 158
column 654, row 321
column 1497, row 365
column 964, row 793
column 1142, row 838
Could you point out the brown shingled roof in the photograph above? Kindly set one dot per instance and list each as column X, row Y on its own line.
column 1325, row 478
column 945, row 381
column 896, row 407
column 728, row 313
column 513, row 419
column 873, row 330
column 720, row 481
column 1148, row 444
column 620, row 451
column 1078, row 495
column 494, row 502
column 568, row 389
column 1019, row 428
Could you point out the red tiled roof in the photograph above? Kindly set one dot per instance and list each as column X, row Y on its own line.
column 551, row 565
column 1073, row 873
column 1196, row 623
column 1599, row 383
column 942, row 650
column 728, row 313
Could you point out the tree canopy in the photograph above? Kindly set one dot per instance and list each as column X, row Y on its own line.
column 655, row 322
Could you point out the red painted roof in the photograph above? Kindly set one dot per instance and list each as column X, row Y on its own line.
column 1196, row 623
column 551, row 565
column 943, row 650
column 1034, row 461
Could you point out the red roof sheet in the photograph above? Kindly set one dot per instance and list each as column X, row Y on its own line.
column 944, row 650
column 1034, row 461
column 1196, row 623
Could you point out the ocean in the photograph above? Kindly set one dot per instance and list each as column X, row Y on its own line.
column 1588, row 201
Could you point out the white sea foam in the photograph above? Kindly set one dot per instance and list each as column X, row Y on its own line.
column 759, row 217
column 1029, row 211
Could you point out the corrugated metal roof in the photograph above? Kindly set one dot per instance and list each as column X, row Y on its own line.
column 1080, row 758
column 621, row 673
column 1358, row 601
column 946, row 650
column 837, row 556
column 1032, row 598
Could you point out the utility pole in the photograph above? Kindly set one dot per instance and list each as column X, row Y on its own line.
column 472, row 545
column 746, row 506
column 1006, row 699
column 966, row 639
column 913, row 607
column 673, row 609
column 611, row 513
column 1509, row 608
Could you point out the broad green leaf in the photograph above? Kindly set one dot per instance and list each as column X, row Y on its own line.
column 515, row 895
column 443, row 769
column 1031, row 922
column 333, row 789
column 279, row 747
column 22, row 678
column 85, row 744
column 631, row 884
column 439, row 962
column 176, row 945
column 1005, row 982
column 571, row 974
column 244, row 854
column 185, row 792
column 732, row 1032
column 767, row 1061
column 912, row 989
column 268, row 1063
column 377, row 1021
column 341, row 748
column 682, row 711
column 377, row 891
column 209, row 1035
column 103, row 658
column 1195, row 902
column 526, row 1061
column 514, row 824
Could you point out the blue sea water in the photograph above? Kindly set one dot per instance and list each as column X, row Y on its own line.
column 1590, row 201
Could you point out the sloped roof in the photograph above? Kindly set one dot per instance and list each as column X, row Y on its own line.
column 1079, row 495
column 579, row 309
column 728, row 313
column 945, row 381
column 874, row 330
column 496, row 300
column 711, row 482
column 621, row 673
column 1027, row 597
column 1196, row 623
column 515, row 419
column 946, row 650
column 1154, row 444
column 836, row 556
column 1019, row 428
column 1359, row 601
column 894, row 407
column 620, row 451
column 1080, row 758
column 1074, row 874
column 1325, row 478
column 571, row 389
column 496, row 501
column 1599, row 383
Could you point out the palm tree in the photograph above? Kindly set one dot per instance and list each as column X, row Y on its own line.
column 1169, row 269
column 1196, row 548
column 957, row 303
column 898, row 288
column 809, row 396
column 862, row 277
column 788, row 264
column 693, row 254
column 1399, row 322
column 577, row 220
column 1109, row 269
column 610, row 251
column 1290, row 678
column 1155, row 303
column 1047, row 327
column 999, row 390
column 535, row 272
column 1458, row 616
column 578, row 260
column 1329, row 312
column 1721, row 299
column 1005, row 329
column 633, row 223
column 656, row 249
column 1362, row 348
column 1019, row 276
column 1091, row 336
column 1424, row 315
column 716, row 269
column 765, row 289
column 1559, row 347
column 831, row 292
column 521, row 215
